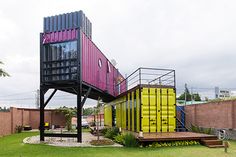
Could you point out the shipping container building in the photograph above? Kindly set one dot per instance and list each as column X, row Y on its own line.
column 71, row 62
column 68, row 54
column 148, row 105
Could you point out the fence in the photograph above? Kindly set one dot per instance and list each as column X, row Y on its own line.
column 22, row 116
column 220, row 115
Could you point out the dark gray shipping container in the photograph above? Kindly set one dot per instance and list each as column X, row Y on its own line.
column 55, row 23
column 59, row 22
column 63, row 22
column 75, row 20
column 51, row 24
column 68, row 21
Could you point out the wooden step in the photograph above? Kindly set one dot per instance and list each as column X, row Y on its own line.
column 212, row 142
column 216, row 146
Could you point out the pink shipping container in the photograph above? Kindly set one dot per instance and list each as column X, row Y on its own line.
column 63, row 50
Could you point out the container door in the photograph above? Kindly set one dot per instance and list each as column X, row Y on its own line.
column 172, row 110
column 152, row 110
column 145, row 110
column 167, row 108
column 149, row 110
column 164, row 110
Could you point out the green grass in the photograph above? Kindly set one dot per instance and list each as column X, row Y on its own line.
column 12, row 146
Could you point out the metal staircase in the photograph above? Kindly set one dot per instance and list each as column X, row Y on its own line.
column 180, row 120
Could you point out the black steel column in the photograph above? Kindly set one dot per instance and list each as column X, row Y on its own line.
column 79, row 112
column 79, row 87
column 41, row 114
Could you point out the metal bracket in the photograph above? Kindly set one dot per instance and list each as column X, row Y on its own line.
column 85, row 97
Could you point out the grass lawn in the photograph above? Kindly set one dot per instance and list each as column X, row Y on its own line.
column 12, row 146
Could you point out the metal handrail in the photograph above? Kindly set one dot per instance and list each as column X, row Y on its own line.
column 146, row 77
column 182, row 110
column 183, row 124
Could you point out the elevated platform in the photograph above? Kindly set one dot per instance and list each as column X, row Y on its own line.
column 95, row 92
column 175, row 136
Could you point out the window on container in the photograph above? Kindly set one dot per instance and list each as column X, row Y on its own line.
column 108, row 67
column 99, row 63
column 59, row 52
column 73, row 50
column 118, row 87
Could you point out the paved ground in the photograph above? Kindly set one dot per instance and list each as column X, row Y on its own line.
column 67, row 142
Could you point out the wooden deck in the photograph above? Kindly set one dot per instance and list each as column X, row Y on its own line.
column 174, row 136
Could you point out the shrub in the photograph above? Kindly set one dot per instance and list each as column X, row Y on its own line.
column 19, row 128
column 112, row 132
column 119, row 139
column 130, row 140
column 208, row 131
column 173, row 144
column 201, row 130
column 104, row 131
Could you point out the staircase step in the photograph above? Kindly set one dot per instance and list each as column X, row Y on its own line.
column 216, row 146
column 212, row 142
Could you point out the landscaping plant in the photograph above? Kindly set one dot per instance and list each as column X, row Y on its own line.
column 130, row 140
column 112, row 132
column 119, row 139
column 68, row 113
column 173, row 144
column 19, row 128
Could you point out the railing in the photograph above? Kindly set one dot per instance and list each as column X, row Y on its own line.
column 147, row 76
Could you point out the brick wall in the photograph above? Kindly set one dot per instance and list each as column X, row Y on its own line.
column 20, row 116
column 5, row 120
column 220, row 115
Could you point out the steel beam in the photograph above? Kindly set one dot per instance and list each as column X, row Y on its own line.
column 85, row 97
column 50, row 97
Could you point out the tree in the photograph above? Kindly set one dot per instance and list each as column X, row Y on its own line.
column 189, row 97
column 2, row 72
column 196, row 97
column 68, row 113
column 88, row 111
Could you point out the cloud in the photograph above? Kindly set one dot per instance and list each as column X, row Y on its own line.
column 196, row 38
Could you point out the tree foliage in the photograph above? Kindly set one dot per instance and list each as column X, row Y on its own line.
column 3, row 73
column 68, row 113
column 4, row 109
column 88, row 111
column 195, row 96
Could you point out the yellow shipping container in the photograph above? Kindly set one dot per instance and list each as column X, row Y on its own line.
column 144, row 108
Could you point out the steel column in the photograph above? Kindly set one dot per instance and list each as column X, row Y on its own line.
column 41, row 114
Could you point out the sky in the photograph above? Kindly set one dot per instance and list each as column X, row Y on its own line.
column 194, row 37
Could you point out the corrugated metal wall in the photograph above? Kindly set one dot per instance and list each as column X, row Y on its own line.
column 158, row 110
column 68, row 21
column 97, row 69
column 108, row 116
column 156, row 114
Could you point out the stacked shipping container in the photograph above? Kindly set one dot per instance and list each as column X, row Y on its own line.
column 67, row 52
column 67, row 22
column 143, row 108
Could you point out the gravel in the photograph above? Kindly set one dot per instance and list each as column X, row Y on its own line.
column 67, row 142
